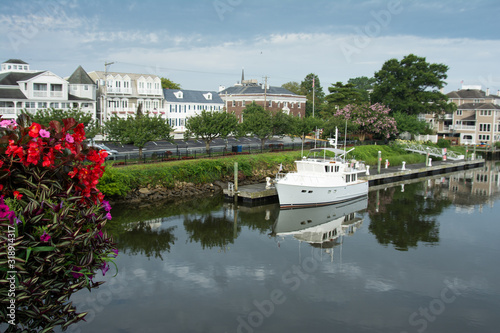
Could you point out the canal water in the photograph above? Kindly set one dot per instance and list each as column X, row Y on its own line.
column 420, row 257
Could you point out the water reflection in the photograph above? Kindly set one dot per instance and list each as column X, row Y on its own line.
column 404, row 216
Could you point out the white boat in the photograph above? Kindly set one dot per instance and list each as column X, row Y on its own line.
column 321, row 180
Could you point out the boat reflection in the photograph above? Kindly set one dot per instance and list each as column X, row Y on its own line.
column 321, row 227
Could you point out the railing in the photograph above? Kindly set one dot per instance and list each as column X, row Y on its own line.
column 7, row 111
column 119, row 90
column 433, row 151
column 40, row 94
column 149, row 92
column 56, row 94
column 463, row 127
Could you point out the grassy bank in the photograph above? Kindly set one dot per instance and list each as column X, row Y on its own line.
column 119, row 181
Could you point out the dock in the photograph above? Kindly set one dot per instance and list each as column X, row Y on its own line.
column 255, row 194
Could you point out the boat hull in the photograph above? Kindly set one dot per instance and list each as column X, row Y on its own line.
column 299, row 196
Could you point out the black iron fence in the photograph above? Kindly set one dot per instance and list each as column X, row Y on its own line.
column 184, row 152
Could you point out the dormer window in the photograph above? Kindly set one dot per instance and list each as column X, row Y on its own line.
column 179, row 94
column 208, row 96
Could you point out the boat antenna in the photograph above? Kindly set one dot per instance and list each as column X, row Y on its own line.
column 345, row 139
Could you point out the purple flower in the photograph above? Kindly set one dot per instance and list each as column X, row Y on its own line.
column 106, row 205
column 45, row 237
column 12, row 217
column 104, row 268
column 4, row 210
column 44, row 133
column 99, row 234
column 108, row 216
column 115, row 251
column 69, row 138
column 75, row 274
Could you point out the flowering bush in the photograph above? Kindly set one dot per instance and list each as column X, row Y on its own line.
column 371, row 119
column 52, row 241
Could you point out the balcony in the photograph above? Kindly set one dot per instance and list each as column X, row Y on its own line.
column 119, row 90
column 463, row 127
column 40, row 93
column 149, row 92
column 56, row 94
column 7, row 111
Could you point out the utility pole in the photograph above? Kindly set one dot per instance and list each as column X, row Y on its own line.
column 105, row 106
column 265, row 93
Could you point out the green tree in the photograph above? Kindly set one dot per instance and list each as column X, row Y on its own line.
column 211, row 125
column 319, row 96
column 138, row 130
column 169, row 84
column 257, row 121
column 340, row 96
column 45, row 116
column 302, row 126
column 364, row 85
column 293, row 87
column 411, row 124
column 412, row 86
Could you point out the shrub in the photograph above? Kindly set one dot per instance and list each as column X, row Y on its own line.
column 51, row 220
column 443, row 143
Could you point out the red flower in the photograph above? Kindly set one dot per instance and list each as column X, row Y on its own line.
column 17, row 195
column 35, row 130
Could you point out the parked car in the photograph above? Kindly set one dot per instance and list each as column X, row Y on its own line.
column 102, row 146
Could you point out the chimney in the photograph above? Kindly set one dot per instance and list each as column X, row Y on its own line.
column 487, row 91
column 498, row 92
column 441, row 90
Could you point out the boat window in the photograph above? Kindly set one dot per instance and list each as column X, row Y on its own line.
column 310, row 191
column 354, row 177
column 304, row 191
column 327, row 169
column 347, row 178
column 337, row 168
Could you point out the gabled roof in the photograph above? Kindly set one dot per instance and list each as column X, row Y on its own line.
column 478, row 106
column 469, row 93
column 191, row 96
column 15, row 61
column 10, row 93
column 255, row 90
column 80, row 76
column 11, row 78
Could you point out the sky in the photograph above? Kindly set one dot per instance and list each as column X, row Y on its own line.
column 204, row 44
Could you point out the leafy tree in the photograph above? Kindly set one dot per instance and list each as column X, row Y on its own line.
column 45, row 116
column 411, row 124
column 364, row 85
column 412, row 86
column 138, row 130
column 169, row 84
column 257, row 121
column 339, row 123
column 211, row 125
column 370, row 119
column 302, row 126
column 340, row 96
column 307, row 89
column 293, row 87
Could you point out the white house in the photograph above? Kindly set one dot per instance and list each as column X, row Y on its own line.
column 179, row 105
column 25, row 89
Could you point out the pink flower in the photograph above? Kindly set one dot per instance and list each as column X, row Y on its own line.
column 69, row 138
column 45, row 237
column 44, row 133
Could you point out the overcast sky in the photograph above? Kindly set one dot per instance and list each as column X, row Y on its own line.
column 203, row 44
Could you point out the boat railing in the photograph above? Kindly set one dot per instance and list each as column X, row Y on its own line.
column 280, row 175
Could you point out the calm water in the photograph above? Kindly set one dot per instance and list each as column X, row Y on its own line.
column 413, row 258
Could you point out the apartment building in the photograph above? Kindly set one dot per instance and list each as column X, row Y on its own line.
column 24, row 89
column 121, row 93
column 476, row 120
column 237, row 97
column 180, row 105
